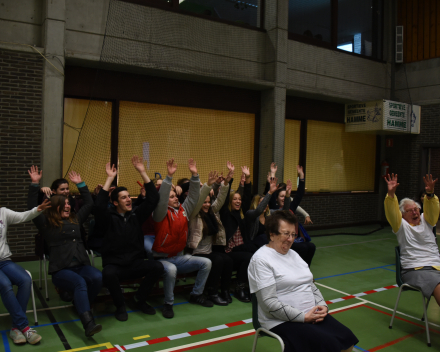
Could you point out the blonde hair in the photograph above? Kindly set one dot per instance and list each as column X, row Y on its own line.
column 231, row 196
column 256, row 201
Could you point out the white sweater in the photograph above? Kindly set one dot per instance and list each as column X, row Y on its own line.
column 9, row 217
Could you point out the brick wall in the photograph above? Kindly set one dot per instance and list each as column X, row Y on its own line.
column 405, row 157
column 20, row 137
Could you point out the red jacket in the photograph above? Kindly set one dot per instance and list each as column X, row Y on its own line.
column 171, row 232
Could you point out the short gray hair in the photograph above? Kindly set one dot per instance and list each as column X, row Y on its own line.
column 406, row 201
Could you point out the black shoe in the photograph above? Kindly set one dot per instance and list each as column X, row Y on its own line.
column 121, row 313
column 217, row 300
column 143, row 306
column 89, row 324
column 167, row 311
column 200, row 299
column 226, row 296
column 240, row 293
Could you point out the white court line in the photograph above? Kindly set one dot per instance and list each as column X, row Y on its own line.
column 349, row 244
column 41, row 309
column 376, row 304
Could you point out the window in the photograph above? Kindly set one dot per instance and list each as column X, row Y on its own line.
column 292, row 130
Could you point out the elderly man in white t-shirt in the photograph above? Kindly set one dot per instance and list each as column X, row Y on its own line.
column 419, row 254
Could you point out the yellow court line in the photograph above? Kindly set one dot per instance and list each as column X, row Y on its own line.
column 141, row 337
column 107, row 344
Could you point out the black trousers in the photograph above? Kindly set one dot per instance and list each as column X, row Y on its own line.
column 221, row 271
column 112, row 275
column 306, row 251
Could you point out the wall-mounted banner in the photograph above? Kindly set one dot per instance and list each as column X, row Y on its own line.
column 382, row 115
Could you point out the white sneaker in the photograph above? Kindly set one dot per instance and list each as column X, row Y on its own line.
column 17, row 336
column 32, row 337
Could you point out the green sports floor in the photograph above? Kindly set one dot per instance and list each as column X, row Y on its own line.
column 343, row 265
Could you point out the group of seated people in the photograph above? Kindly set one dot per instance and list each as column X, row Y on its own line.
column 209, row 229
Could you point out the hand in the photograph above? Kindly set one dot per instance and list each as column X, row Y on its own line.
column 34, row 174
column 273, row 169
column 211, row 193
column 138, row 163
column 110, row 190
column 429, row 184
column 75, row 177
column 229, row 177
column 212, row 177
column 392, row 184
column 178, row 190
column 273, row 185
column 192, row 167
column 243, row 179
column 143, row 192
column 110, row 170
column 288, row 188
column 246, row 171
column 230, row 166
column 300, row 171
column 315, row 315
column 47, row 191
column 308, row 221
column 171, row 167
column 220, row 178
column 268, row 177
column 44, row 205
column 97, row 189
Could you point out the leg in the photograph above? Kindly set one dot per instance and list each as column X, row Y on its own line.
column 302, row 250
column 11, row 274
column 110, row 279
column 169, row 280
column 93, row 278
column 241, row 262
column 436, row 294
column 187, row 264
column 151, row 271
column 148, row 243
column 69, row 280
column 215, row 273
column 311, row 248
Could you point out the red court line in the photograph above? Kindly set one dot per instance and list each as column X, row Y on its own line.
column 198, row 332
column 396, row 317
column 213, row 342
column 395, row 341
column 237, row 323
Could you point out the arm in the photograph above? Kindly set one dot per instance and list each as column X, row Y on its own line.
column 85, row 210
column 144, row 210
column 253, row 214
column 14, row 217
column 247, row 194
column 392, row 211
column 319, row 299
column 164, row 192
column 300, row 191
column 430, row 205
column 194, row 189
column 302, row 212
column 220, row 201
column 204, row 192
column 34, row 190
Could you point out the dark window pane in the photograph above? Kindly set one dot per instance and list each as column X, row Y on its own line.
column 311, row 18
column 245, row 12
column 360, row 27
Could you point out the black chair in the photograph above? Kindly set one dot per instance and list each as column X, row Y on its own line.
column 259, row 331
column 406, row 287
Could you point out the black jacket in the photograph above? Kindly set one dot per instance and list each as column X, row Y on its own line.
column 123, row 240
column 64, row 242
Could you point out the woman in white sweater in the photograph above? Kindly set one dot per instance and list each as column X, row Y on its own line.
column 13, row 274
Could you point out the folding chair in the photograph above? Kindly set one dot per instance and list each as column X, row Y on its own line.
column 33, row 300
column 259, row 331
column 406, row 287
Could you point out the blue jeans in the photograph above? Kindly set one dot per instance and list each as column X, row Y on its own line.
column 181, row 264
column 14, row 274
column 148, row 243
column 84, row 281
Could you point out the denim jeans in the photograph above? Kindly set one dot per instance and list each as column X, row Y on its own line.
column 84, row 281
column 14, row 274
column 148, row 243
column 181, row 264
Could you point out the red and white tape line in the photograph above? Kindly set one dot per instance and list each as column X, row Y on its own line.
column 361, row 294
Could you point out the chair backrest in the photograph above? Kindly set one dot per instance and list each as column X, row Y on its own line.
column 398, row 267
column 255, row 321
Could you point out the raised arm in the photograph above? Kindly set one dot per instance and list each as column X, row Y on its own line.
column 34, row 190
column 85, row 210
column 255, row 213
column 430, row 205
column 14, row 217
column 300, row 191
column 164, row 192
column 392, row 211
column 194, row 189
column 227, row 183
column 204, row 192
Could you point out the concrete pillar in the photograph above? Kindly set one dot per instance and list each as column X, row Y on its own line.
column 273, row 101
column 54, row 22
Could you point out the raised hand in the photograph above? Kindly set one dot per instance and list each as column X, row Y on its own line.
column 230, row 166
column 242, row 179
column 392, row 184
column 212, row 177
column 273, row 185
column 97, row 189
column 229, row 176
column 429, row 184
column 300, row 171
column 288, row 188
column 138, row 163
column 178, row 190
column 75, row 177
column 246, row 171
column 34, row 174
column 171, row 167
column 220, row 178
column 192, row 167
column 308, row 221
column 44, row 205
column 143, row 192
column 110, row 170
column 47, row 191
column 273, row 169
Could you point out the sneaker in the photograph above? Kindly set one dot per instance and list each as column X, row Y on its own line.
column 167, row 311
column 121, row 313
column 143, row 306
column 17, row 336
column 200, row 299
column 32, row 337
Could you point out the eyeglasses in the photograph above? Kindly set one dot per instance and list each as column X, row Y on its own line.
column 413, row 210
column 288, row 235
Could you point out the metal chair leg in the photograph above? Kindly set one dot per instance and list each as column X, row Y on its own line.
column 426, row 320
column 395, row 307
column 33, row 300
column 254, row 346
column 41, row 264
column 45, row 277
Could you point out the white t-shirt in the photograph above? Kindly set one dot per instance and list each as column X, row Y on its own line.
column 289, row 273
column 417, row 245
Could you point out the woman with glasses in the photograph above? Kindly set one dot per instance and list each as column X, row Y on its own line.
column 289, row 303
